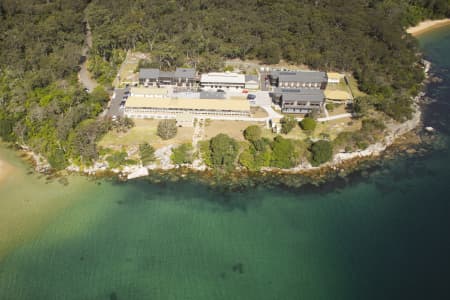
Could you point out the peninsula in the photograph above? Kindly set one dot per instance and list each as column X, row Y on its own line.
column 209, row 87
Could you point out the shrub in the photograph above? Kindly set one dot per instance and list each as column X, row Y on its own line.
column 287, row 124
column 308, row 124
column 167, row 129
column 322, row 151
column 205, row 152
column 224, row 150
column 283, row 153
column 183, row 154
column 117, row 159
column 252, row 133
column 329, row 106
column 147, row 153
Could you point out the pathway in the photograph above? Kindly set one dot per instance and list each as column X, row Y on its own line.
column 199, row 133
column 83, row 75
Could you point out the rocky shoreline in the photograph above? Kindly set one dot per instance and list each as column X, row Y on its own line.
column 340, row 160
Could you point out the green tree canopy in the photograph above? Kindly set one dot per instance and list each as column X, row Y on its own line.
column 308, row 124
column 287, row 124
column 252, row 133
column 322, row 152
column 224, row 150
column 147, row 153
column 167, row 129
column 183, row 154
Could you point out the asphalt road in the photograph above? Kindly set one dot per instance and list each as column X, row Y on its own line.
column 114, row 107
column 83, row 75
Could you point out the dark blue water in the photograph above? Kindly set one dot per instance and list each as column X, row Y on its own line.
column 385, row 235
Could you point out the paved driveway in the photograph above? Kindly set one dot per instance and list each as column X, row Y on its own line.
column 114, row 107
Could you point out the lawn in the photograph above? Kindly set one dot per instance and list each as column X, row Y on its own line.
column 330, row 128
column 258, row 112
column 235, row 129
column 144, row 131
column 339, row 108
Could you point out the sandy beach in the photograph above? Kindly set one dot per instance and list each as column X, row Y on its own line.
column 426, row 26
column 5, row 170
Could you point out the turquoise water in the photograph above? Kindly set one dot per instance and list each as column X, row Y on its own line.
column 381, row 236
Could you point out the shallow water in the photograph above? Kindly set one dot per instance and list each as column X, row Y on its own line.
column 382, row 236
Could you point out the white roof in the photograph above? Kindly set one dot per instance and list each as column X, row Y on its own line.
column 227, row 77
column 149, row 91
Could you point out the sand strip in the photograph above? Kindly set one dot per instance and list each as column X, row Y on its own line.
column 427, row 25
column 5, row 170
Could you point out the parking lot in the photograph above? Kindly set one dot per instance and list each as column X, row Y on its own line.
column 118, row 97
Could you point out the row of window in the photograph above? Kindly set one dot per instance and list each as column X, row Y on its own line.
column 298, row 84
column 134, row 111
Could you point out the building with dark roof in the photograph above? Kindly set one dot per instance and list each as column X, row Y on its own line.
column 299, row 101
column 299, row 79
column 184, row 77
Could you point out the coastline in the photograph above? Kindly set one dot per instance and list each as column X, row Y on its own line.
column 393, row 132
column 339, row 162
column 5, row 170
column 426, row 26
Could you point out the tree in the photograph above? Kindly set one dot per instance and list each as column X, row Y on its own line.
column 361, row 105
column 284, row 154
column 322, row 151
column 183, row 154
column 147, row 153
column 287, row 124
column 308, row 124
column 252, row 133
column 167, row 129
column 117, row 159
column 224, row 150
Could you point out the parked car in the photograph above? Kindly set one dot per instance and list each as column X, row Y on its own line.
column 251, row 97
column 220, row 91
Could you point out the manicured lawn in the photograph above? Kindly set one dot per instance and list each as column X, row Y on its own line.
column 235, row 129
column 145, row 131
column 332, row 128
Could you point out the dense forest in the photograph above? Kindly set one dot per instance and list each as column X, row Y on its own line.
column 364, row 37
column 43, row 106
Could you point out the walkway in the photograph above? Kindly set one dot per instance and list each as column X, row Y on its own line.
column 199, row 133
column 83, row 75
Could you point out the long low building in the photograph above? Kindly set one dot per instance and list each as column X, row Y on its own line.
column 149, row 92
column 140, row 107
column 299, row 79
column 299, row 101
column 183, row 77
column 225, row 80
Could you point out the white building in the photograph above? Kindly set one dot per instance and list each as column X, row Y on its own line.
column 149, row 92
column 223, row 81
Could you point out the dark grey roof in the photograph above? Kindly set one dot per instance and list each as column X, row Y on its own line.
column 304, row 76
column 281, row 90
column 166, row 74
column 148, row 73
column 251, row 78
column 212, row 95
column 185, row 73
column 311, row 95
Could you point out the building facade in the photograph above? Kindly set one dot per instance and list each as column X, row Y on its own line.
column 299, row 101
column 140, row 107
column 298, row 79
column 182, row 77
column 222, row 81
